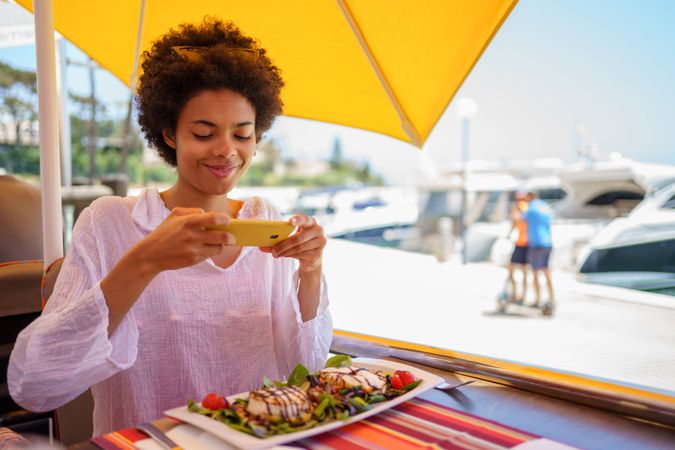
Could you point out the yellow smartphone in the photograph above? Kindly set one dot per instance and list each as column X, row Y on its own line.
column 256, row 232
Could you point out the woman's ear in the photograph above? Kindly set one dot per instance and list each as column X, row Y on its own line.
column 169, row 138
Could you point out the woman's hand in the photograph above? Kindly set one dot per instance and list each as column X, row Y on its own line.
column 182, row 241
column 306, row 245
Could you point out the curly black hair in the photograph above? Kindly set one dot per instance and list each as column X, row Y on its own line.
column 170, row 80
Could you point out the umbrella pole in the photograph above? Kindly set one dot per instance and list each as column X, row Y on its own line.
column 48, row 113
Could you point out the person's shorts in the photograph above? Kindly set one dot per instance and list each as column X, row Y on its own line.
column 538, row 257
column 519, row 255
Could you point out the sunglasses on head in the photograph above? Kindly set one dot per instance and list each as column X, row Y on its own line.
column 194, row 53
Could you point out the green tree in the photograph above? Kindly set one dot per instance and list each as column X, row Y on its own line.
column 108, row 156
column 18, row 100
column 337, row 155
column 269, row 168
column 363, row 173
column 89, row 109
column 18, row 108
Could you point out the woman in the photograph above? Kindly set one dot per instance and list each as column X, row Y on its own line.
column 150, row 309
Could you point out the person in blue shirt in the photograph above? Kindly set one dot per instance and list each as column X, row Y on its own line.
column 538, row 218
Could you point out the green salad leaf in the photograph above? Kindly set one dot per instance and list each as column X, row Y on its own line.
column 338, row 361
column 285, row 427
column 359, row 403
column 194, row 407
column 377, row 398
column 298, row 376
column 413, row 385
column 325, row 400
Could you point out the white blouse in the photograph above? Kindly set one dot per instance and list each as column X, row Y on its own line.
column 192, row 331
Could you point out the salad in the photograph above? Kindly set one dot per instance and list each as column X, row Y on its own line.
column 306, row 400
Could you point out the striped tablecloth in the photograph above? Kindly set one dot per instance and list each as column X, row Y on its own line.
column 416, row 424
column 419, row 424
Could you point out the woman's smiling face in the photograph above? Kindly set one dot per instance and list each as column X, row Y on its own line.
column 214, row 141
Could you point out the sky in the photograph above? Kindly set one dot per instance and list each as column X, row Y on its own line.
column 555, row 67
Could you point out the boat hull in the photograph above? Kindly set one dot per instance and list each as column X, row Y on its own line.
column 654, row 256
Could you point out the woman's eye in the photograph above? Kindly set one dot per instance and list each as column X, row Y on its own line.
column 202, row 137
column 243, row 138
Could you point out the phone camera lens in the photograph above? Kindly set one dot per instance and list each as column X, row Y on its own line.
column 274, row 236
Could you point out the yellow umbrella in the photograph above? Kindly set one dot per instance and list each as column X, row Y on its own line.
column 389, row 66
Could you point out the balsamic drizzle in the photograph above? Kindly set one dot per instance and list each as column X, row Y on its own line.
column 288, row 399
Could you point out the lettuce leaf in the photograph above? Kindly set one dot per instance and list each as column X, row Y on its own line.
column 338, row 361
column 298, row 376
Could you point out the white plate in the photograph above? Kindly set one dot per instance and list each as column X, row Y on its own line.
column 246, row 441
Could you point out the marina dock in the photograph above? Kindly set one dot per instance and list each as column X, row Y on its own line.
column 605, row 332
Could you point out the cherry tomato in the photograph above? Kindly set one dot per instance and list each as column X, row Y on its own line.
column 406, row 377
column 396, row 382
column 214, row 401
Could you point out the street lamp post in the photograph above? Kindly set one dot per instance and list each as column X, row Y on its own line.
column 466, row 110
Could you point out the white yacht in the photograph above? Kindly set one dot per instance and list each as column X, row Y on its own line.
column 374, row 215
column 636, row 251
column 608, row 188
column 596, row 192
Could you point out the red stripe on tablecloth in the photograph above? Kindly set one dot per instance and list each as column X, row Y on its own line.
column 104, row 443
column 114, row 441
column 133, row 434
column 123, row 439
column 330, row 440
column 373, row 435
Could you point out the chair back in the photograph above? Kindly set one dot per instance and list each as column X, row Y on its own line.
column 25, row 287
column 20, row 220
column 20, row 275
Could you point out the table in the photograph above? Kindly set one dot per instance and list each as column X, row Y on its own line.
column 559, row 420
